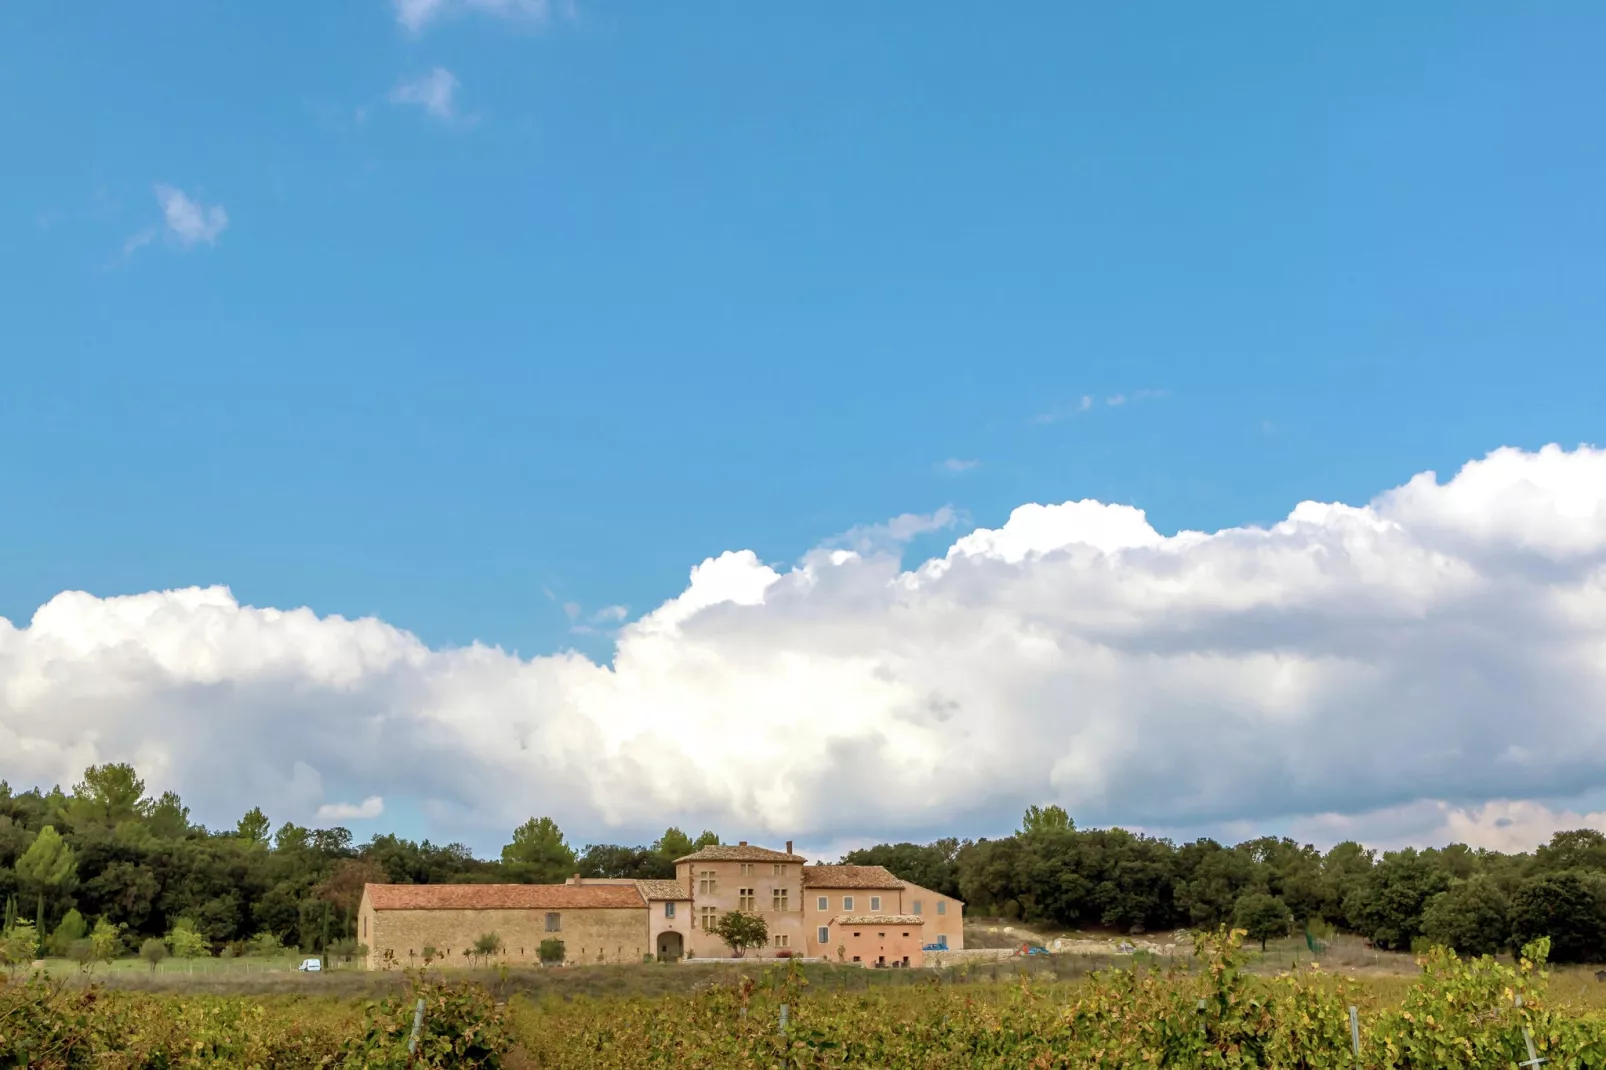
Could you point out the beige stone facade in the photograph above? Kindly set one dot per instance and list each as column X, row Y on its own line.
column 669, row 918
column 401, row 923
column 608, row 921
column 835, row 891
column 880, row 940
column 944, row 916
column 754, row 880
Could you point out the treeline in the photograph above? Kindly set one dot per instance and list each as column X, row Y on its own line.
column 107, row 865
column 1475, row 901
column 109, row 862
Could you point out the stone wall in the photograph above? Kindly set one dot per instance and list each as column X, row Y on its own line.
column 589, row 935
column 939, row 959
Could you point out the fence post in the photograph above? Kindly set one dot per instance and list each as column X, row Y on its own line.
column 784, row 1009
column 418, row 1023
column 1355, row 1033
column 1527, row 1038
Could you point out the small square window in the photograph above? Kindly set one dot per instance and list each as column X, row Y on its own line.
column 554, row 923
column 823, row 903
column 669, row 908
column 875, row 903
column 847, row 902
column 823, row 934
column 916, row 907
column 942, row 906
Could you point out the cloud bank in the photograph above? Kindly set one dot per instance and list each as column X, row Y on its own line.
column 1430, row 664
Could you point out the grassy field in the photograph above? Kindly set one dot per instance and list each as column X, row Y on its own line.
column 203, row 968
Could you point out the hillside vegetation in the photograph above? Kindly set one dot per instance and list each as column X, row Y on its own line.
column 105, row 871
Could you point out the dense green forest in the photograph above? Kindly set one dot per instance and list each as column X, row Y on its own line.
column 1475, row 901
column 107, row 855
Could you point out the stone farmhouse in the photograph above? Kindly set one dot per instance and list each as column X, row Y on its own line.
column 860, row 914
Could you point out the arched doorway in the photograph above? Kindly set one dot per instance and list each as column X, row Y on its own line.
column 670, row 947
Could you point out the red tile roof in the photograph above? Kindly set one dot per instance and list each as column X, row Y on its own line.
column 503, row 896
column 662, row 890
column 849, row 877
column 740, row 852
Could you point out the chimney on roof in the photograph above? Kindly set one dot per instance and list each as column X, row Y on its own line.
column 573, row 880
column 743, row 843
column 788, row 846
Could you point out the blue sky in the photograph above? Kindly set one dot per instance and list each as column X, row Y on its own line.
column 651, row 282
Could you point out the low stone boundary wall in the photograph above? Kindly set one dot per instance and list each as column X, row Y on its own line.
column 939, row 959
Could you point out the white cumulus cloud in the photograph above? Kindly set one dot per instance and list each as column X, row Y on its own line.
column 1430, row 664
column 366, row 810
column 190, row 221
column 435, row 92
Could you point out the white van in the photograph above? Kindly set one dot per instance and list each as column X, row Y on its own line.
column 311, row 966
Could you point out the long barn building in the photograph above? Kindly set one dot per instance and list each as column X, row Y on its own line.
column 852, row 913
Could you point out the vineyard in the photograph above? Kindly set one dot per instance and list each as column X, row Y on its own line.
column 1456, row 1013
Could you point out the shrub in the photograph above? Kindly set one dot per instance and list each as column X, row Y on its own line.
column 487, row 945
column 153, row 951
column 461, row 1027
column 1262, row 916
column 186, row 942
column 551, row 952
column 741, row 931
column 72, row 928
column 105, row 941
column 18, row 945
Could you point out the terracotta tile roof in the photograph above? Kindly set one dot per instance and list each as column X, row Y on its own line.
column 741, row 852
column 662, row 890
column 849, row 877
column 503, row 896
column 878, row 919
